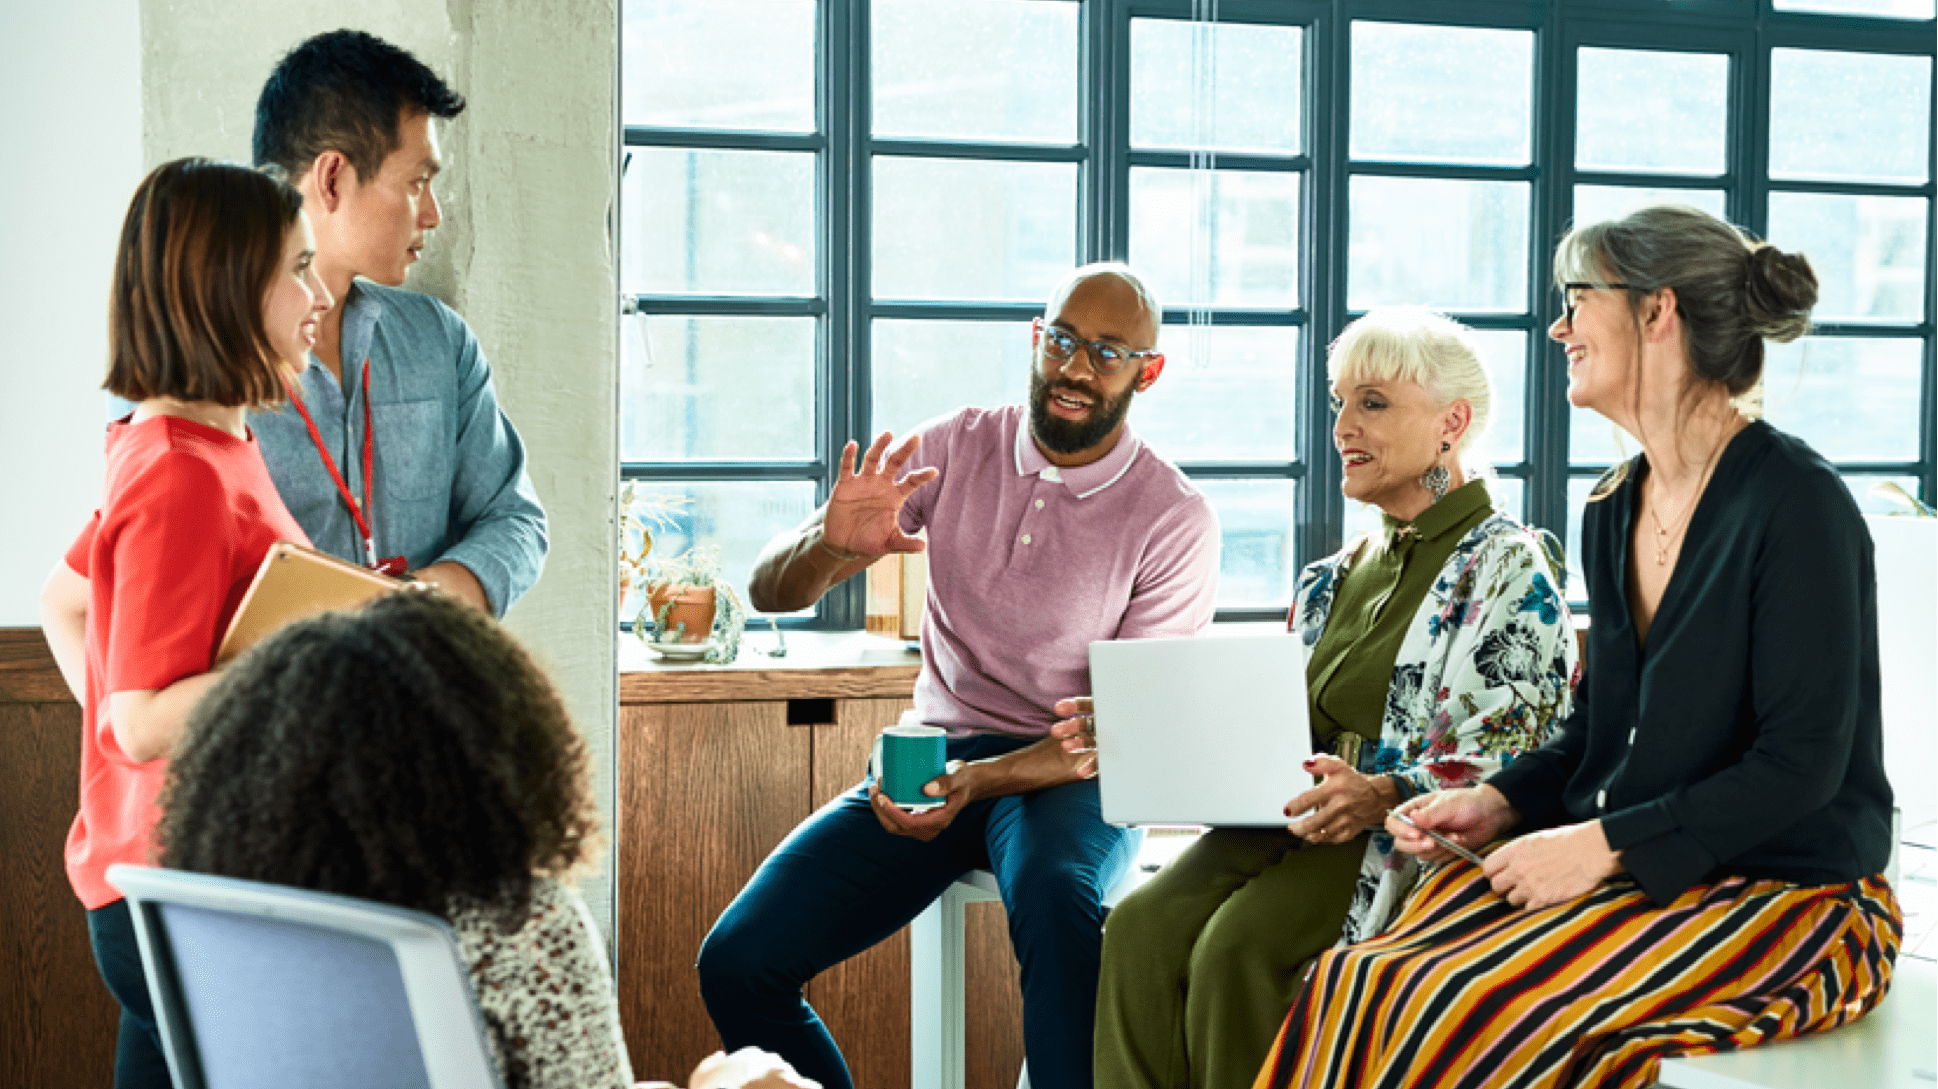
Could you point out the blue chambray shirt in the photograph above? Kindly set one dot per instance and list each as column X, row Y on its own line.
column 450, row 476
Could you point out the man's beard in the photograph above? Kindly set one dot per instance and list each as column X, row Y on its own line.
column 1061, row 436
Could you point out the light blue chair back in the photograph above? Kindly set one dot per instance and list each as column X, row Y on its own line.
column 265, row 985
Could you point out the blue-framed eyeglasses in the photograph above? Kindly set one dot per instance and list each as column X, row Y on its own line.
column 1105, row 359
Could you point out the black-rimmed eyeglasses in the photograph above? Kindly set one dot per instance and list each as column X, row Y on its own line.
column 1105, row 359
column 1568, row 297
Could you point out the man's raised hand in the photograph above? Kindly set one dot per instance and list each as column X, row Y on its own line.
column 865, row 508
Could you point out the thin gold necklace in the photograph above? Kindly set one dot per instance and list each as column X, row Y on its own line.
column 1663, row 538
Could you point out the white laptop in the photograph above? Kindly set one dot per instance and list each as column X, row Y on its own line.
column 1208, row 730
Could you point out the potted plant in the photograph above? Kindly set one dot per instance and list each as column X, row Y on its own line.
column 683, row 600
column 642, row 515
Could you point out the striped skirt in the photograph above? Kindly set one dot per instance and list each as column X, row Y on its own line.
column 1465, row 990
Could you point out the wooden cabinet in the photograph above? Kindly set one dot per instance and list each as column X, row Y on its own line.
column 705, row 791
column 716, row 767
column 57, row 1020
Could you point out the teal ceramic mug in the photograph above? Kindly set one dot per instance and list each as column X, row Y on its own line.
column 905, row 759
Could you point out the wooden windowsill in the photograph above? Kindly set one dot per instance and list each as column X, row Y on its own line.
column 818, row 665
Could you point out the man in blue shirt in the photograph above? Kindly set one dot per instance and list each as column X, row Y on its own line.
column 397, row 454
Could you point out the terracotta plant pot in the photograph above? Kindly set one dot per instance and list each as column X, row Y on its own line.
column 692, row 606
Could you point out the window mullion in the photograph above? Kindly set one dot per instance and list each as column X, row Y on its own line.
column 1104, row 120
column 1320, row 508
column 842, row 371
column 1545, row 435
column 1928, row 395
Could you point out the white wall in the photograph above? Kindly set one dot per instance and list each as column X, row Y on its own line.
column 70, row 112
column 1907, row 654
column 524, row 254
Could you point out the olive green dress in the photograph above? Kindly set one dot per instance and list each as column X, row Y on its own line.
column 1201, row 963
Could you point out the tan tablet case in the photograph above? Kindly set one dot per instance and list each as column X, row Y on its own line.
column 292, row 583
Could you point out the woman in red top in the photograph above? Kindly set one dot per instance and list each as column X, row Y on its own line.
column 213, row 303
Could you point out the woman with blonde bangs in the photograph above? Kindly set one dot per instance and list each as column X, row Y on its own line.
column 1697, row 852
column 1438, row 648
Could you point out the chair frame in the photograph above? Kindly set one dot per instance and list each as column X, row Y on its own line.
column 450, row 1031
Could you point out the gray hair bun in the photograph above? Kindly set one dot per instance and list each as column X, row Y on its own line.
column 1779, row 290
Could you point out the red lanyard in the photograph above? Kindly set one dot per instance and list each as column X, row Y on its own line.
column 357, row 510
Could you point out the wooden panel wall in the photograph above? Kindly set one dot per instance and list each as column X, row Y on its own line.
column 706, row 790
column 864, row 999
column 57, row 1020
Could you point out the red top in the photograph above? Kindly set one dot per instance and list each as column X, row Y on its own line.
column 187, row 514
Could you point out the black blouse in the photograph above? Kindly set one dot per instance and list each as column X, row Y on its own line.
column 1744, row 738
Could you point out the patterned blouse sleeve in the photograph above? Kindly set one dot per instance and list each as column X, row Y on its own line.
column 1509, row 663
column 546, row 995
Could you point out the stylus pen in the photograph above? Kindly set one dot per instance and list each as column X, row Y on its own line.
column 1438, row 838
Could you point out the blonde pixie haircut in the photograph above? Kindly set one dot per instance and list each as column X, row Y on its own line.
column 1413, row 344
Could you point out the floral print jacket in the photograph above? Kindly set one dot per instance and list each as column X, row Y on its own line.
column 1484, row 673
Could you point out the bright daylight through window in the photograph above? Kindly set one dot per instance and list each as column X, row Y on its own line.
column 839, row 217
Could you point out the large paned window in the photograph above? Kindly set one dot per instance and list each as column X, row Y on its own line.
column 838, row 217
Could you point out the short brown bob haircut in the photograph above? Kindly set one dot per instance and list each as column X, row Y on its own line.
column 199, row 248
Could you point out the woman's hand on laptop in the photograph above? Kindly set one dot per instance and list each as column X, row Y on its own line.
column 1345, row 804
column 1077, row 732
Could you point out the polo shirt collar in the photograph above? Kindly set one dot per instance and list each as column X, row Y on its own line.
column 1083, row 481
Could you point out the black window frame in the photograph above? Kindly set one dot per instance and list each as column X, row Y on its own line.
column 1745, row 30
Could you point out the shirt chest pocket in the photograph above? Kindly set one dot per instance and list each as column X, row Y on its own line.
column 413, row 460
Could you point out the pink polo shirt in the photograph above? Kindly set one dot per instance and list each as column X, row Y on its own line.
column 1029, row 563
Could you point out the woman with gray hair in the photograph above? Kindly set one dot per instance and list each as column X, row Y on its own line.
column 1437, row 649
column 1696, row 854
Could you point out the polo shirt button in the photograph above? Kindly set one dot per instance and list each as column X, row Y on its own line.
column 1601, row 799
column 1026, row 538
column 1039, row 504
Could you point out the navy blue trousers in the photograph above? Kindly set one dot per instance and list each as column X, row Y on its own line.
column 840, row 883
column 138, row 1059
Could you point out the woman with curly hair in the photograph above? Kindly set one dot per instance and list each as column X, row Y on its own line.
column 1439, row 648
column 1698, row 852
column 411, row 752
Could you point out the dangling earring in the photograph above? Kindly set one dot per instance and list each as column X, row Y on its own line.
column 1437, row 478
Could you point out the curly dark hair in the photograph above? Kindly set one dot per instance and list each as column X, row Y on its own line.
column 409, row 752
